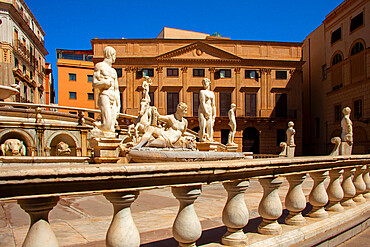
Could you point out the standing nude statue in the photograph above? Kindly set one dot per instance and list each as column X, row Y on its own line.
column 232, row 125
column 146, row 83
column 105, row 80
column 206, row 112
column 290, row 132
column 346, row 124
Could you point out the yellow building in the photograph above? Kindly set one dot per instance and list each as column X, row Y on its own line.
column 336, row 74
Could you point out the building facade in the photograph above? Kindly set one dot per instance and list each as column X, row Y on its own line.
column 337, row 74
column 262, row 78
column 22, row 51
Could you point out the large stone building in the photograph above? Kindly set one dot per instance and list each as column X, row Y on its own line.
column 22, row 51
column 263, row 79
column 336, row 74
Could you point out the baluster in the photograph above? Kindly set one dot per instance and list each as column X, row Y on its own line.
column 270, row 207
column 348, row 188
column 235, row 214
column 359, row 183
column 367, row 182
column 318, row 197
column 186, row 228
column 295, row 200
column 40, row 232
column 335, row 191
column 122, row 231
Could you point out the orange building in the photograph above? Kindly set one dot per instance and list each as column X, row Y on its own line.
column 75, row 76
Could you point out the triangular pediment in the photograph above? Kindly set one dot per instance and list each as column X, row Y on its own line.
column 199, row 50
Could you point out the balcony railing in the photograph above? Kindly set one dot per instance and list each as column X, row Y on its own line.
column 42, row 181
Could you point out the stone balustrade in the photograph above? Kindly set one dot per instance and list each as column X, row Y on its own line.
column 42, row 181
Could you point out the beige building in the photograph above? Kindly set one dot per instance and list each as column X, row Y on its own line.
column 336, row 74
column 263, row 79
column 22, row 51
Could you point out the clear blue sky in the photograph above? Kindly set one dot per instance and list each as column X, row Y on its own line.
column 71, row 24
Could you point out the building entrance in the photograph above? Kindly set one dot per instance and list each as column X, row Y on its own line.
column 251, row 140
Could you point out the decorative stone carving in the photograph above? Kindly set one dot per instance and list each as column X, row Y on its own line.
column 359, row 183
column 146, row 84
column 235, row 213
column 270, row 207
column 295, row 200
column 318, row 197
column 63, row 149
column 186, row 228
column 336, row 141
column 122, row 231
column 348, row 188
column 206, row 112
column 347, row 134
column 13, row 147
column 283, row 146
column 157, row 136
column 232, row 125
column 335, row 191
column 105, row 80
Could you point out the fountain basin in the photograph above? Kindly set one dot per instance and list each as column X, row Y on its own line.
column 6, row 91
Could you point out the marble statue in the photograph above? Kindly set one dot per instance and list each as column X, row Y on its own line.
column 62, row 149
column 290, row 132
column 232, row 125
column 206, row 112
column 347, row 132
column 146, row 83
column 13, row 147
column 170, row 134
column 105, row 80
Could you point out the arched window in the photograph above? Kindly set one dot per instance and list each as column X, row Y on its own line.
column 356, row 48
column 336, row 59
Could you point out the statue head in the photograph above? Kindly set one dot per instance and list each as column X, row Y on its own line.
column 148, row 79
column 232, row 106
column 182, row 108
column 206, row 83
column 290, row 124
column 110, row 53
column 346, row 111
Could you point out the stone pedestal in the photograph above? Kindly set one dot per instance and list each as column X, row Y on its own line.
column 290, row 151
column 232, row 148
column 105, row 149
column 345, row 148
column 207, row 146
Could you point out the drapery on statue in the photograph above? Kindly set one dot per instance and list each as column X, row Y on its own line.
column 206, row 112
column 232, row 125
column 105, row 80
column 168, row 136
column 13, row 147
column 290, row 132
column 146, row 83
column 346, row 124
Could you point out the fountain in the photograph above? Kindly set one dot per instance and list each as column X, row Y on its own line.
column 7, row 91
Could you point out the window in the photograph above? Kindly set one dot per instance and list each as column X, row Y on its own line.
column 25, row 91
column 281, row 105
column 336, row 35
column 151, row 96
column 172, row 72
column 119, row 72
column 90, row 115
column 281, row 75
column 225, row 102
column 148, row 72
column 224, row 136
column 16, row 63
column 89, row 78
column 357, row 108
column 72, row 95
column 337, row 112
column 172, row 102
column 357, row 48
column 250, row 74
column 31, row 75
column 280, row 136
column 357, row 22
column 250, row 104
column 198, row 72
column 223, row 73
column 72, row 77
column 90, row 96
column 324, row 74
column 195, row 103
column 336, row 59
column 24, row 69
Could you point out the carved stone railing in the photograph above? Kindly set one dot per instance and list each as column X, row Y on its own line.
column 42, row 180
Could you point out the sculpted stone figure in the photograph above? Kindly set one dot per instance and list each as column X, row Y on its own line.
column 290, row 132
column 146, row 83
column 105, row 80
column 346, row 124
column 206, row 112
column 63, row 149
column 232, row 125
column 13, row 147
column 157, row 136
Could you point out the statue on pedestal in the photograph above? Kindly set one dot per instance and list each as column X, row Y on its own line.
column 206, row 112
column 146, row 83
column 347, row 132
column 232, row 125
column 105, row 80
column 290, row 132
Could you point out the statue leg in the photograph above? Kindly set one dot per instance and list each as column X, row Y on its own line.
column 106, row 115
column 202, row 127
column 145, row 138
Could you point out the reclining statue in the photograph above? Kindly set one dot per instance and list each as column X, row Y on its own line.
column 13, row 147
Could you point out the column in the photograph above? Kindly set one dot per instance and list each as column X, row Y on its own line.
column 367, row 182
column 235, row 214
column 122, row 231
column 130, row 86
column 40, row 232
column 238, row 96
column 270, row 207
column 318, row 197
column 335, row 191
column 359, row 183
column 186, row 228
column 161, row 102
column 212, row 70
column 184, row 85
column 348, row 188
column 295, row 200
